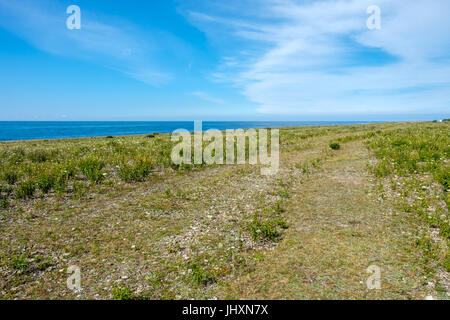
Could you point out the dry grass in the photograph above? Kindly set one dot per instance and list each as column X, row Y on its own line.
column 190, row 234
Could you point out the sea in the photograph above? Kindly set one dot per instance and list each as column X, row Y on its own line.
column 41, row 130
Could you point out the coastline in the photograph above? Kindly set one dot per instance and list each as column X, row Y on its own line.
column 160, row 127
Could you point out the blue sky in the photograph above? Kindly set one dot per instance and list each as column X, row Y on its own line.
column 224, row 60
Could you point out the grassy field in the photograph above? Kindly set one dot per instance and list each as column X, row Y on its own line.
column 345, row 198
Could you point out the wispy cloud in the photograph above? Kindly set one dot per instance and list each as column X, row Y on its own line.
column 207, row 97
column 107, row 41
column 318, row 57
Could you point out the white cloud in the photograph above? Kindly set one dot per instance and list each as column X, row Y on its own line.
column 114, row 43
column 304, row 56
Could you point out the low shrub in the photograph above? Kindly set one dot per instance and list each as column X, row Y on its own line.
column 45, row 182
column 264, row 230
column 38, row 156
column 284, row 193
column 26, row 189
column 60, row 183
column 4, row 203
column 135, row 172
column 282, row 223
column 443, row 177
column 201, row 276
column 17, row 156
column 335, row 146
column 92, row 169
column 10, row 177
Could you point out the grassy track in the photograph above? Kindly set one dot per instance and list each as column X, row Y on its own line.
column 140, row 228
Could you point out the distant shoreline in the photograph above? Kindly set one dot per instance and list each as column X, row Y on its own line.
column 15, row 131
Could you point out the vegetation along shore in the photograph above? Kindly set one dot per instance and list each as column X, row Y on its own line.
column 140, row 227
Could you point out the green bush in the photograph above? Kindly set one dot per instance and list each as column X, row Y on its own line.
column 264, row 230
column 17, row 156
column 10, row 177
column 335, row 146
column 4, row 203
column 92, row 169
column 26, row 189
column 443, row 177
column 46, row 182
column 6, row 189
column 135, row 172
column 201, row 276
column 60, row 183
column 282, row 223
column 38, row 156
column 284, row 193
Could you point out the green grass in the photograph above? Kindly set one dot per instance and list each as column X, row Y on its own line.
column 10, row 177
column 200, row 275
column 19, row 262
column 46, row 182
column 92, row 169
column 418, row 158
column 26, row 189
column 56, row 165
column 4, row 203
column 41, row 155
column 264, row 230
column 121, row 292
column 117, row 206
column 136, row 171
column 414, row 150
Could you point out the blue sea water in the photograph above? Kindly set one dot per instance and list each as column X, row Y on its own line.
column 31, row 130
